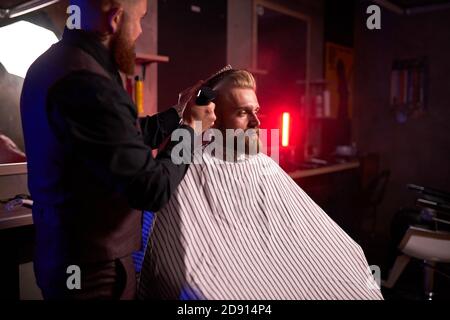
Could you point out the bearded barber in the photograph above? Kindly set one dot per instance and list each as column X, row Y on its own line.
column 91, row 170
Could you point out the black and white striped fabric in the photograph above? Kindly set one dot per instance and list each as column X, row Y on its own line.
column 247, row 231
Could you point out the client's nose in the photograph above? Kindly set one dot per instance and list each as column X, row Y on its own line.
column 254, row 121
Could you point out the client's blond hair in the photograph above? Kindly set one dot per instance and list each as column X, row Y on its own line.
column 232, row 79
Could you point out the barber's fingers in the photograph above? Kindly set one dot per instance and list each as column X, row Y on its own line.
column 201, row 113
column 4, row 140
column 189, row 94
column 191, row 90
column 7, row 144
column 200, row 118
column 211, row 115
column 210, row 108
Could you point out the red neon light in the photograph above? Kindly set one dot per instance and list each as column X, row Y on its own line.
column 286, row 129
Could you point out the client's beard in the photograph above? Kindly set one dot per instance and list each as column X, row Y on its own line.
column 239, row 143
column 249, row 140
column 252, row 143
column 124, row 51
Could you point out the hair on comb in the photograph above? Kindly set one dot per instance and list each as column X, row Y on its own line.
column 218, row 76
column 225, row 69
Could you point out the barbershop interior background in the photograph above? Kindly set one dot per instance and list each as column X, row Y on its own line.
column 360, row 98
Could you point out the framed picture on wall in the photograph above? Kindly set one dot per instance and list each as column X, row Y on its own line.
column 339, row 69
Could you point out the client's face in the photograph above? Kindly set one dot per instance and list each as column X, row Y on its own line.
column 238, row 109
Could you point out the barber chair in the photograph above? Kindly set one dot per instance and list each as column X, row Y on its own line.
column 430, row 246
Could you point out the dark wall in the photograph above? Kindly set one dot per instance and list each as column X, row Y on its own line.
column 419, row 150
column 339, row 22
column 196, row 43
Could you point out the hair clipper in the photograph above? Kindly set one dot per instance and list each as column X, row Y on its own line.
column 205, row 96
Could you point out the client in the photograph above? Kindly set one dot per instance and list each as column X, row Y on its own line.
column 244, row 230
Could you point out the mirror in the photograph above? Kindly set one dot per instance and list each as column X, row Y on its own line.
column 24, row 35
column 281, row 49
column 11, row 137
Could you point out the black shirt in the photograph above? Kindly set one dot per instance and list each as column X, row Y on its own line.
column 89, row 157
column 96, row 120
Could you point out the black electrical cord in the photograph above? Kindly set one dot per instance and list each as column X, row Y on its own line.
column 19, row 196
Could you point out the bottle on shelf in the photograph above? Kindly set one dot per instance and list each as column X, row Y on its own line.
column 139, row 95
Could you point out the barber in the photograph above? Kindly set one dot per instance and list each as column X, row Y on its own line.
column 90, row 165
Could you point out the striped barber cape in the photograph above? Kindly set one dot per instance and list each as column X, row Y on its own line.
column 247, row 231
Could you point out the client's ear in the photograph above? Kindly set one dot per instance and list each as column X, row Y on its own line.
column 115, row 17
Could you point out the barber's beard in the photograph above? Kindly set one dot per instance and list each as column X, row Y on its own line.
column 124, row 51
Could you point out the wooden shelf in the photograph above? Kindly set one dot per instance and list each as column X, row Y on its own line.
column 259, row 72
column 320, row 82
column 13, row 169
column 19, row 217
column 322, row 118
column 150, row 58
column 324, row 170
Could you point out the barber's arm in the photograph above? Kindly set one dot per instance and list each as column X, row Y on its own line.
column 9, row 152
column 157, row 128
column 99, row 127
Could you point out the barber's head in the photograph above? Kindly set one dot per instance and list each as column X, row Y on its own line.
column 118, row 25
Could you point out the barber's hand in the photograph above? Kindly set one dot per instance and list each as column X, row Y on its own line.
column 9, row 152
column 186, row 95
column 195, row 115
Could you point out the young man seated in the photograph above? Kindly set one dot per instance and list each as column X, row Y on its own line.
column 239, row 228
